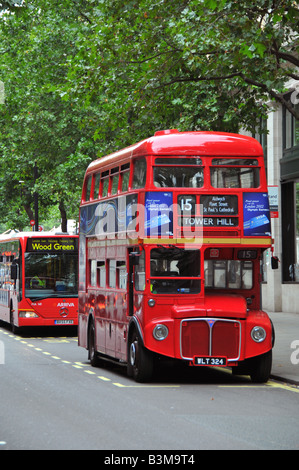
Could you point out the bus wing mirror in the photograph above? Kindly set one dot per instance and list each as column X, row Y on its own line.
column 274, row 262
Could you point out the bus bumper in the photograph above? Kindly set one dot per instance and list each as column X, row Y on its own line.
column 31, row 320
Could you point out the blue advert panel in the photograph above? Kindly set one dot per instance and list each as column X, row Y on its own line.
column 158, row 213
column 110, row 217
column 256, row 219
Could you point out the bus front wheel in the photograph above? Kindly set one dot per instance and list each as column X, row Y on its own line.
column 140, row 359
column 14, row 329
column 260, row 367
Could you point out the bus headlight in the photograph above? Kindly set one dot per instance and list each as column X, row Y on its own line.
column 160, row 332
column 151, row 302
column 27, row 314
column 258, row 334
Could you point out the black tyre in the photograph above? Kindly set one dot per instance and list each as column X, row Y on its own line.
column 92, row 353
column 260, row 367
column 14, row 328
column 140, row 359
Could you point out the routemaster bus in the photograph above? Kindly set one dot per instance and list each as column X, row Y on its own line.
column 172, row 233
column 38, row 279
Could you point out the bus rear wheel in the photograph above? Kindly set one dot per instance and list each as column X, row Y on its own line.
column 92, row 353
column 140, row 359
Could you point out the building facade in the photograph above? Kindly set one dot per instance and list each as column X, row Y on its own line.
column 281, row 146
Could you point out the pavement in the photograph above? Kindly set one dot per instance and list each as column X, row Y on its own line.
column 285, row 365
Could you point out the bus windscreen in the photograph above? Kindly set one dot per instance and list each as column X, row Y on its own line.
column 51, row 268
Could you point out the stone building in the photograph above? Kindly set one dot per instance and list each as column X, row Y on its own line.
column 281, row 147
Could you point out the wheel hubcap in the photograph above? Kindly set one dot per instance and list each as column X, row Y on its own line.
column 132, row 354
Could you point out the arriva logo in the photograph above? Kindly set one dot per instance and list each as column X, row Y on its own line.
column 66, row 304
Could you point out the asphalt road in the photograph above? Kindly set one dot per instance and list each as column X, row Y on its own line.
column 51, row 398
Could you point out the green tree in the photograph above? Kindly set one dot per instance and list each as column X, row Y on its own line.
column 37, row 126
column 193, row 64
column 86, row 77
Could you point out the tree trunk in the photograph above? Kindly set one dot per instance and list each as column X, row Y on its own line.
column 29, row 211
column 63, row 217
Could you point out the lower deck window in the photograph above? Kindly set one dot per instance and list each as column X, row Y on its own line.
column 175, row 271
column 228, row 274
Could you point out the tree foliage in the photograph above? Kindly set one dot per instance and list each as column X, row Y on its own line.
column 37, row 127
column 193, row 64
column 83, row 78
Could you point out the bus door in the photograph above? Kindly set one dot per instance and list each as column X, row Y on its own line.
column 136, row 278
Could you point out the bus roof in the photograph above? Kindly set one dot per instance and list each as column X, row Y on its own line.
column 172, row 142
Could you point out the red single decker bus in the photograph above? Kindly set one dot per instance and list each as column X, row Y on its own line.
column 172, row 231
column 38, row 279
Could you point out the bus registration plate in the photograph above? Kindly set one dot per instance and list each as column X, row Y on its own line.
column 209, row 361
column 64, row 322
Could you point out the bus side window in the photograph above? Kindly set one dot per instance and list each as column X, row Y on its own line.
column 93, row 272
column 112, row 273
column 96, row 189
column 114, row 182
column 105, row 183
column 101, row 273
column 125, row 177
column 139, row 176
column 125, row 181
column 122, row 274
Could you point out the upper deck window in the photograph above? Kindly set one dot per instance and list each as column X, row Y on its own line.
column 125, row 177
column 96, row 189
column 178, row 172
column 114, row 180
column 235, row 173
column 105, row 183
column 139, row 176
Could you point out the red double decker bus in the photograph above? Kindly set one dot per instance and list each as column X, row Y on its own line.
column 38, row 279
column 172, row 232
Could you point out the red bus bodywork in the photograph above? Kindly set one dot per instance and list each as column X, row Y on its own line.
column 194, row 316
column 38, row 278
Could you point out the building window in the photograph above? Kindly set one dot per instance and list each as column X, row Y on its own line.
column 290, row 231
column 290, row 197
column 291, row 137
column 297, row 230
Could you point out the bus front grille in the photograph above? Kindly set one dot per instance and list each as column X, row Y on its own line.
column 210, row 337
